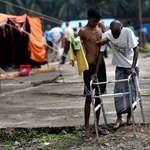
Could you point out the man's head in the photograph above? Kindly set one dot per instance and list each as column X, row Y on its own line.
column 67, row 24
column 130, row 23
column 94, row 16
column 48, row 27
column 80, row 24
column 56, row 25
column 115, row 27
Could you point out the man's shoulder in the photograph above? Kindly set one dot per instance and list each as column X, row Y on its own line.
column 107, row 32
column 83, row 29
column 68, row 29
column 126, row 30
column 53, row 29
column 100, row 24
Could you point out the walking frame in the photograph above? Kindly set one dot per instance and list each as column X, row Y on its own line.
column 116, row 95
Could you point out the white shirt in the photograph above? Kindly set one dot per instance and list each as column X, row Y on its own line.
column 56, row 33
column 122, row 47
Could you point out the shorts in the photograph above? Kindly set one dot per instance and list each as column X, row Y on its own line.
column 101, row 78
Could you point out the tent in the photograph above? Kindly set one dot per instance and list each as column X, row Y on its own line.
column 19, row 48
column 75, row 23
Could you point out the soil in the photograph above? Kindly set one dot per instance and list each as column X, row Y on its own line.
column 120, row 139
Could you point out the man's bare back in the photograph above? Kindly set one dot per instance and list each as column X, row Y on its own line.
column 89, row 36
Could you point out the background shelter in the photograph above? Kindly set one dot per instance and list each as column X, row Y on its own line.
column 19, row 48
column 75, row 23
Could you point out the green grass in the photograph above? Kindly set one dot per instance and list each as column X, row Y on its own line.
column 23, row 136
column 147, row 48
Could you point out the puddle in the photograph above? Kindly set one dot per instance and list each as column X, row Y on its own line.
column 4, row 97
column 144, row 86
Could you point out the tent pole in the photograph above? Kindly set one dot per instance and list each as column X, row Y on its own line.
column 140, row 19
column 42, row 20
column 11, row 31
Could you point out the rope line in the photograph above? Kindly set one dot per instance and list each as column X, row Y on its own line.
column 51, row 18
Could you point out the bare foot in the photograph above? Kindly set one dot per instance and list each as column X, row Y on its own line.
column 129, row 119
column 118, row 124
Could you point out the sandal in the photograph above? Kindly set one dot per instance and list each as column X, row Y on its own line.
column 103, row 131
column 89, row 139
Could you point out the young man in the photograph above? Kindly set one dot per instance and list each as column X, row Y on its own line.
column 90, row 34
column 56, row 34
column 48, row 37
column 68, row 33
column 125, row 55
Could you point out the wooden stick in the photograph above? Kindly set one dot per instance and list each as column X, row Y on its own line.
column 13, row 77
column 45, row 81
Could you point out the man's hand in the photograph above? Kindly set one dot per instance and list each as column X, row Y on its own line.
column 132, row 72
column 101, row 42
column 94, row 76
column 73, row 46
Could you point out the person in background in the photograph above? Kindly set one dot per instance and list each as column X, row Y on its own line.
column 75, row 32
column 56, row 34
column 125, row 55
column 48, row 37
column 68, row 33
column 130, row 25
column 79, row 27
column 90, row 35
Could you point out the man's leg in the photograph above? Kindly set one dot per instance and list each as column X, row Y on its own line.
column 65, row 52
column 97, row 102
column 119, row 121
column 58, row 50
column 51, row 44
column 129, row 118
column 102, row 131
column 55, row 47
column 86, row 136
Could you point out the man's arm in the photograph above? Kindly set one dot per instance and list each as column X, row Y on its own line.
column 135, row 57
column 102, row 41
column 80, row 33
column 102, row 26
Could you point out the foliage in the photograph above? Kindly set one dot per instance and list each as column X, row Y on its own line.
column 76, row 9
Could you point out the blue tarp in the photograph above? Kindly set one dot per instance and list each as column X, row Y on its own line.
column 75, row 23
column 146, row 28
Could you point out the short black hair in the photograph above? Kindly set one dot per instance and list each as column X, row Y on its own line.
column 129, row 22
column 94, row 12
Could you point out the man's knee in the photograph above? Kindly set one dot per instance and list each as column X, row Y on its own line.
column 88, row 98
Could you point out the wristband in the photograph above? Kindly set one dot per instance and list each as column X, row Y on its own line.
column 107, row 40
column 132, row 69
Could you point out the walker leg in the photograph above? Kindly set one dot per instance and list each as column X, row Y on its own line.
column 141, row 106
column 139, row 95
column 94, row 113
column 95, row 123
column 132, row 113
column 103, row 110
